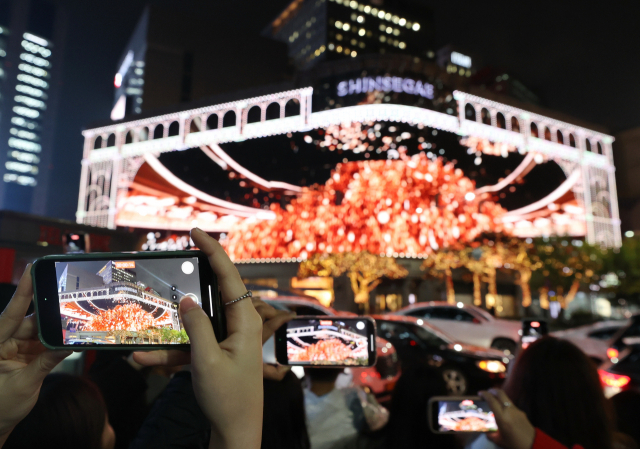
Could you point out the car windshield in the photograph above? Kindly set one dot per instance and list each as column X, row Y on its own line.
column 429, row 335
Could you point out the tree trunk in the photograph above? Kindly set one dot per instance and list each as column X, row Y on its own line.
column 544, row 298
column 451, row 294
column 477, row 290
column 572, row 292
column 525, row 277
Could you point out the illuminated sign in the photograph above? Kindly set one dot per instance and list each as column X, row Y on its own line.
column 125, row 265
column 385, row 84
column 460, row 59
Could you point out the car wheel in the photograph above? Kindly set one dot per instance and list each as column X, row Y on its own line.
column 505, row 345
column 455, row 380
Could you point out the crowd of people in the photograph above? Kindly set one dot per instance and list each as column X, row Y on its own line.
column 222, row 395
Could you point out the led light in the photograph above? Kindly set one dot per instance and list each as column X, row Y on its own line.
column 354, row 54
column 420, row 322
column 460, row 305
column 402, row 45
column 36, row 39
column 21, row 110
column 629, row 234
column 416, row 26
column 21, row 167
column 380, row 14
column 117, row 80
column 35, row 48
column 32, row 70
column 361, row 32
column 31, row 102
column 32, row 80
column 24, row 157
column 402, row 22
column 612, row 353
column 23, row 134
column 613, row 380
column 31, row 91
column 491, row 366
column 457, row 347
column 24, row 145
column 338, row 24
column 20, row 179
column 24, row 123
column 33, row 59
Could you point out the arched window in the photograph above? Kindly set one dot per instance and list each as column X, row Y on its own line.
column 600, row 149
column 559, row 137
column 515, row 125
column 572, row 141
column 97, row 143
column 470, row 112
column 485, row 116
column 229, row 119
column 128, row 138
column 194, row 125
column 254, row 115
column 144, row 134
column 500, row 121
column 273, row 111
column 212, row 121
column 111, row 140
column 158, row 132
column 174, row 129
column 587, row 144
column 547, row 133
column 534, row 129
column 292, row 108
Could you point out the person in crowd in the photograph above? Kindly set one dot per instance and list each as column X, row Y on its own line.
column 226, row 376
column 407, row 427
column 626, row 406
column 556, row 389
column 69, row 412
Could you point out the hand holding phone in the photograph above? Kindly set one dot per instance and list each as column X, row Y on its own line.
column 327, row 341
column 449, row 414
column 515, row 431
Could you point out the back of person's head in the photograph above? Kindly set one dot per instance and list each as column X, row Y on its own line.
column 559, row 389
column 70, row 412
column 626, row 406
column 408, row 426
column 284, row 423
column 317, row 374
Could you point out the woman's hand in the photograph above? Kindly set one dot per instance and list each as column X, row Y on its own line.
column 24, row 361
column 227, row 376
column 272, row 319
column 514, row 429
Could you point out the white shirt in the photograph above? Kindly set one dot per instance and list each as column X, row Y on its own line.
column 329, row 418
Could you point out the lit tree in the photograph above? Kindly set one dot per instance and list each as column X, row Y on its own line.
column 440, row 265
column 365, row 270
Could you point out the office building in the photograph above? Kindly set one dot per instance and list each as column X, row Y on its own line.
column 31, row 47
column 116, row 272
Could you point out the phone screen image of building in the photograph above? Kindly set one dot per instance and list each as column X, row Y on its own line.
column 125, row 302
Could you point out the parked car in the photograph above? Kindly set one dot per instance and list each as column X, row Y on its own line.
column 468, row 324
column 379, row 379
column 464, row 368
column 593, row 339
column 627, row 336
column 623, row 374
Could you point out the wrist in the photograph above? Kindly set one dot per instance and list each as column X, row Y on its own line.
column 241, row 440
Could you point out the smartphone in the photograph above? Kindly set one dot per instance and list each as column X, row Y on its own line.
column 327, row 341
column 449, row 414
column 118, row 300
column 532, row 330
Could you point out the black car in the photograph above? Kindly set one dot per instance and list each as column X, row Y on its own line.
column 465, row 369
column 626, row 336
column 623, row 373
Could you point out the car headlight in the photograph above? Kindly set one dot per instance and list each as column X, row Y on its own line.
column 491, row 366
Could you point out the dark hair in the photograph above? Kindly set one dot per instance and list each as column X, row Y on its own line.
column 284, row 422
column 626, row 405
column 70, row 412
column 559, row 389
column 322, row 374
column 408, row 425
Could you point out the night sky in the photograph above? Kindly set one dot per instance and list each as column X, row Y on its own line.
column 581, row 58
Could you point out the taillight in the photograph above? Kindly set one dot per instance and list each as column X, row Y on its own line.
column 613, row 380
column 612, row 353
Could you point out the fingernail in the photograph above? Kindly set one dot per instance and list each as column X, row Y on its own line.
column 186, row 303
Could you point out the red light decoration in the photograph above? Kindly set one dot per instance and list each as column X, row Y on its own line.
column 613, row 380
column 612, row 353
column 406, row 207
column 129, row 317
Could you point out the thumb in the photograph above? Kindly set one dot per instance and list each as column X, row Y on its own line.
column 199, row 329
column 37, row 370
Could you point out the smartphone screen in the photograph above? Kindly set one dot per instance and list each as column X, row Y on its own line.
column 120, row 301
column 463, row 414
column 533, row 330
column 326, row 341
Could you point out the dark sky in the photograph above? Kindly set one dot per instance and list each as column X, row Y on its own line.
column 581, row 58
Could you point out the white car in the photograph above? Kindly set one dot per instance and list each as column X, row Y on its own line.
column 594, row 338
column 468, row 324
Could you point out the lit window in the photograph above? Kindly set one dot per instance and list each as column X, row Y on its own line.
column 361, row 32
column 389, row 30
column 416, row 26
column 25, row 145
column 339, row 48
column 387, row 16
column 331, row 46
column 380, row 14
column 402, row 45
column 32, row 80
column 24, row 123
column 30, row 91
column 354, row 54
column 24, row 157
column 360, row 19
column 21, row 167
column 36, row 39
column 338, row 24
column 31, row 102
column 374, row 11
column 353, row 4
column 22, row 180
column 367, row 9
column 346, row 27
column 35, row 48
column 26, row 112
column 33, row 70
column 402, row 22
column 32, row 59
column 23, row 134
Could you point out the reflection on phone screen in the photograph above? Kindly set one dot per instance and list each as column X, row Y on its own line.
column 465, row 416
column 327, row 342
column 125, row 302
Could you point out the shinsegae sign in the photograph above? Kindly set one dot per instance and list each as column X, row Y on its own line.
column 385, row 84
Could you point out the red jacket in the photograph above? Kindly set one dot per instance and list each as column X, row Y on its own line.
column 544, row 441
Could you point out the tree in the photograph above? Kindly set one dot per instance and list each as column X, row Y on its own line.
column 407, row 207
column 440, row 265
column 365, row 270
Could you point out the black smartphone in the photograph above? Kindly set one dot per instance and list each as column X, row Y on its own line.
column 117, row 300
column 327, row 341
column 449, row 414
column 532, row 330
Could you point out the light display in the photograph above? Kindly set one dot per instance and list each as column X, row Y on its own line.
column 125, row 317
column 408, row 207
